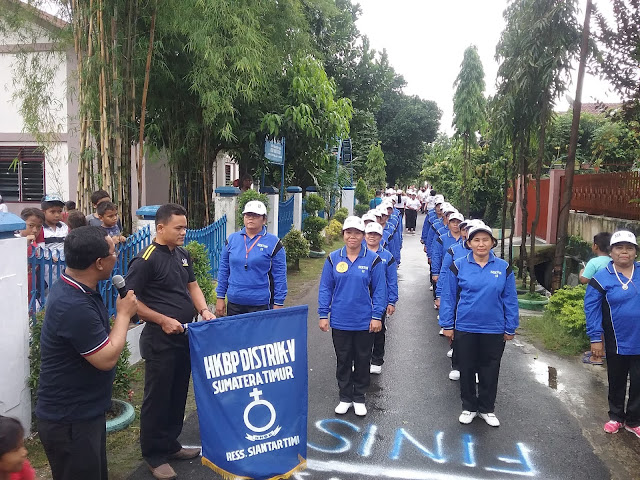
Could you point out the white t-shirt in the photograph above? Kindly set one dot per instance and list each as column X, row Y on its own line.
column 431, row 202
column 3, row 208
column 413, row 204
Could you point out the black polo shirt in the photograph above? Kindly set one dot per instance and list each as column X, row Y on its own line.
column 159, row 276
column 76, row 325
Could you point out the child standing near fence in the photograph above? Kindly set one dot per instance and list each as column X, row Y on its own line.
column 54, row 232
column 13, row 455
column 33, row 218
column 108, row 215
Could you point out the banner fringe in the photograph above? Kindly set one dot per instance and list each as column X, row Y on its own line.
column 223, row 473
column 298, row 468
column 231, row 476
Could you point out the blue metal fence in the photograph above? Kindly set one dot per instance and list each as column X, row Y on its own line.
column 45, row 266
column 285, row 217
column 213, row 237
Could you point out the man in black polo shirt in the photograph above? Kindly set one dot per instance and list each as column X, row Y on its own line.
column 168, row 297
column 79, row 352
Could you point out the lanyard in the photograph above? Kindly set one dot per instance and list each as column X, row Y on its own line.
column 247, row 250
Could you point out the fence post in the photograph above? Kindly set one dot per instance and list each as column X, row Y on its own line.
column 555, row 177
column 147, row 216
column 348, row 198
column 15, row 397
column 297, row 206
column 272, row 213
column 225, row 203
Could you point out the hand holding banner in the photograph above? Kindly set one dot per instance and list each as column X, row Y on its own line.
column 250, row 381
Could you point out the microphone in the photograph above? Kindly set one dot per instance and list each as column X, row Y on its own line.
column 118, row 282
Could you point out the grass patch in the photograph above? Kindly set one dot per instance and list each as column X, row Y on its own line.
column 299, row 282
column 123, row 447
column 545, row 331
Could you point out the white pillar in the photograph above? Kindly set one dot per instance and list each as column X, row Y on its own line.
column 225, row 203
column 272, row 213
column 15, row 397
column 348, row 198
column 296, row 192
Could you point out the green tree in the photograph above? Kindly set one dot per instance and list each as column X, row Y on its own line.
column 468, row 111
column 362, row 196
column 375, row 168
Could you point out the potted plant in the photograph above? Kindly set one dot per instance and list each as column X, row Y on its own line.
column 313, row 225
column 532, row 301
column 296, row 247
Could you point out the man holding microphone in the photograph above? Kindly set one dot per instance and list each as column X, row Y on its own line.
column 79, row 351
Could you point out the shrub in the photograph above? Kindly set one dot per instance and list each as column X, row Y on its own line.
column 361, row 193
column 245, row 197
column 296, row 246
column 34, row 358
column 361, row 209
column 333, row 231
column 577, row 247
column 312, row 226
column 567, row 307
column 202, row 270
column 313, row 203
column 122, row 381
column 341, row 214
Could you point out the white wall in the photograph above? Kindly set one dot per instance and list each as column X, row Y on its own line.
column 15, row 398
column 11, row 121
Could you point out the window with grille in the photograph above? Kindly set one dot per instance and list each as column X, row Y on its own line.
column 21, row 174
column 227, row 175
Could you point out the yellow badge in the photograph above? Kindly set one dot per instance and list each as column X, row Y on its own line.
column 342, row 267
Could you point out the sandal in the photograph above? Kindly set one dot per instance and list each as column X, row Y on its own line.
column 587, row 358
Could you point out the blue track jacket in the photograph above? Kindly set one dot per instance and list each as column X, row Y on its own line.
column 353, row 293
column 391, row 274
column 441, row 245
column 613, row 311
column 426, row 226
column 390, row 240
column 437, row 223
column 443, row 230
column 264, row 280
column 455, row 252
column 480, row 299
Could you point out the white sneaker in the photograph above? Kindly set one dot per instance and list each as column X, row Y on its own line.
column 477, row 379
column 431, row 288
column 466, row 417
column 359, row 409
column 450, row 353
column 343, row 407
column 454, row 375
column 375, row 369
column 491, row 419
column 441, row 332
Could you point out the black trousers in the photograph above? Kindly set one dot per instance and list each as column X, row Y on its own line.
column 619, row 368
column 237, row 309
column 379, row 339
column 479, row 353
column 75, row 450
column 412, row 216
column 353, row 348
column 166, row 382
column 454, row 357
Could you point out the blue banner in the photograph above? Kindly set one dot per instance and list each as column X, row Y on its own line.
column 250, row 381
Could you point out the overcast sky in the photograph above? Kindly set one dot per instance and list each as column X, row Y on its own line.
column 426, row 40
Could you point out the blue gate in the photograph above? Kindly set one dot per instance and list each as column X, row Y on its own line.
column 213, row 237
column 285, row 217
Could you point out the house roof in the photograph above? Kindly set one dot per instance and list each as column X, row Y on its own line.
column 42, row 18
column 599, row 108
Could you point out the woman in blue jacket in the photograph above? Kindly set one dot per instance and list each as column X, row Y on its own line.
column 480, row 297
column 611, row 306
column 351, row 300
column 253, row 267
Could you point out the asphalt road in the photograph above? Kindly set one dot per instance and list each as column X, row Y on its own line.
column 412, row 429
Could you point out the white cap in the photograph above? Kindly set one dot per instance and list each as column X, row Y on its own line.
column 480, row 228
column 470, row 223
column 456, row 216
column 390, row 191
column 383, row 210
column 353, row 222
column 373, row 228
column 255, row 206
column 447, row 207
column 439, row 199
column 377, row 212
column 398, row 191
column 368, row 217
column 623, row 236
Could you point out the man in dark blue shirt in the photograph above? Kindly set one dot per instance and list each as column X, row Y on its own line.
column 79, row 352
